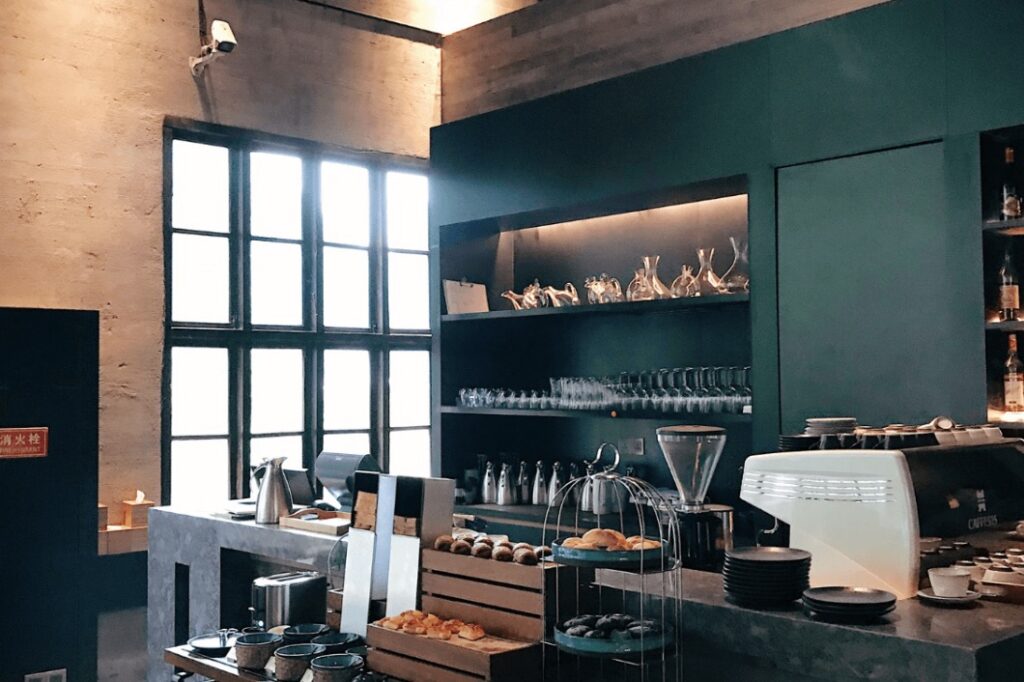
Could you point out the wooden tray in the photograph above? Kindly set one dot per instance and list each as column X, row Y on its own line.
column 327, row 522
column 493, row 659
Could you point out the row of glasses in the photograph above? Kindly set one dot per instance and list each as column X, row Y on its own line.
column 675, row 390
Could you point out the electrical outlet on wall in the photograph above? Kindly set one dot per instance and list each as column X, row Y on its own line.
column 631, row 447
column 48, row 676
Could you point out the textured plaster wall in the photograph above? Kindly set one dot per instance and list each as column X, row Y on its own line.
column 84, row 89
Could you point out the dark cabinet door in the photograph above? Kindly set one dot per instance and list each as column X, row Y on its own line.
column 880, row 292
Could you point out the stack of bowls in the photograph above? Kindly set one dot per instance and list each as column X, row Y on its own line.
column 849, row 605
column 765, row 577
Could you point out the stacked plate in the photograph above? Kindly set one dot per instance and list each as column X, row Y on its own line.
column 827, row 426
column 849, row 605
column 798, row 441
column 765, row 577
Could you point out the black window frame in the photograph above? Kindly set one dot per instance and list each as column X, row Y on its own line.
column 238, row 335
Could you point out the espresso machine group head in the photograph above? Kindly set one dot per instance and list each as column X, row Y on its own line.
column 692, row 453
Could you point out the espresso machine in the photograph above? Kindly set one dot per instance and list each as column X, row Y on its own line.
column 692, row 453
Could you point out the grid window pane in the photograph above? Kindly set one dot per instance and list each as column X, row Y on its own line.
column 199, row 391
column 200, row 476
column 407, row 211
column 410, row 388
column 410, row 453
column 345, row 203
column 199, row 186
column 199, row 279
column 261, row 449
column 275, row 188
column 347, row 443
column 276, row 283
column 346, row 288
column 277, row 390
column 408, row 291
column 346, row 389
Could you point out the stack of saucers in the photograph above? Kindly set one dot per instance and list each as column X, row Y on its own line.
column 850, row 605
column 765, row 577
column 828, row 426
column 798, row 441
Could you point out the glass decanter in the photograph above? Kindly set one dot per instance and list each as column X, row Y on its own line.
column 640, row 288
column 735, row 280
column 682, row 286
column 706, row 283
column 651, row 271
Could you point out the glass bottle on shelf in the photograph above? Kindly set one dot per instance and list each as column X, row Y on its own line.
column 706, row 283
column 1013, row 379
column 1009, row 290
column 651, row 270
column 1011, row 200
column 640, row 288
column 735, row 280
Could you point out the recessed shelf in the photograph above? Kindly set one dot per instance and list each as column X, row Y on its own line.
column 713, row 418
column 1009, row 228
column 1014, row 326
column 629, row 308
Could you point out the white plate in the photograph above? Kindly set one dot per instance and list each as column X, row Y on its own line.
column 929, row 596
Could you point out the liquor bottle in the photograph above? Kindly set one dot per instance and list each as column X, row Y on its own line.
column 1013, row 379
column 1009, row 290
column 1011, row 200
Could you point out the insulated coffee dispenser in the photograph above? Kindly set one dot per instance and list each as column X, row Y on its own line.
column 692, row 453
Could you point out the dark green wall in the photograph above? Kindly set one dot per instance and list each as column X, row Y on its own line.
column 902, row 73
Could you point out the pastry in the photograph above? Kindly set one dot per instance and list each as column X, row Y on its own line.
column 443, row 543
column 453, row 626
column 439, row 632
column 503, row 543
column 525, row 556
column 414, row 628
column 521, row 545
column 412, row 613
column 633, row 539
column 543, row 551
column 589, row 621
column 502, row 554
column 484, row 539
column 577, row 631
column 461, row 547
column 596, row 634
column 647, row 544
column 585, row 545
column 392, row 624
column 432, row 621
column 569, row 543
column 472, row 632
column 604, row 537
column 481, row 550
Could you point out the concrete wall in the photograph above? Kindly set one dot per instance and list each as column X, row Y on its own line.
column 439, row 16
column 558, row 45
column 84, row 89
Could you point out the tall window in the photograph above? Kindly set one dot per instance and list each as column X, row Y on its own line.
column 297, row 314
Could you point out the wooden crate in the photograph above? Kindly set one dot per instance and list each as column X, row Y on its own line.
column 507, row 599
column 417, row 658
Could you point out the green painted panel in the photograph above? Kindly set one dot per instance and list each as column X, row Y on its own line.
column 867, row 80
column 985, row 42
column 876, row 292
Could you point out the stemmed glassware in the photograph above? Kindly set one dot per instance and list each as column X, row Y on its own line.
column 668, row 390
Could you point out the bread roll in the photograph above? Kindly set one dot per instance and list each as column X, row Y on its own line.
column 502, row 554
column 461, row 547
column 481, row 550
column 443, row 543
column 569, row 543
column 484, row 539
column 414, row 628
column 525, row 556
column 439, row 632
column 472, row 632
column 542, row 551
column 521, row 545
column 603, row 538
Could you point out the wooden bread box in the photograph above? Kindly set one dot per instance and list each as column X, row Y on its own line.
column 418, row 658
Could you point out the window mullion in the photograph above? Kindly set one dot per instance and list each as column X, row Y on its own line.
column 237, row 447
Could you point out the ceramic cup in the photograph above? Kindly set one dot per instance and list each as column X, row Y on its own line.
column 336, row 668
column 977, row 572
column 253, row 650
column 1000, row 574
column 292, row 660
column 927, row 544
column 949, row 581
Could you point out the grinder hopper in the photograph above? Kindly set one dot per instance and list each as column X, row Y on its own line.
column 692, row 453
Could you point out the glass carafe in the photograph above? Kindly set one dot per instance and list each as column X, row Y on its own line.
column 706, row 283
column 682, row 286
column 736, row 280
column 640, row 288
column 651, row 271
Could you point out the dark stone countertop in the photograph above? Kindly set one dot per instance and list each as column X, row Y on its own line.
column 914, row 642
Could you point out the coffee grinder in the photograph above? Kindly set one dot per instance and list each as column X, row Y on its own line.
column 692, row 453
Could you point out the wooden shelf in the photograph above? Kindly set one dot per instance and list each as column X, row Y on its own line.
column 1015, row 326
column 629, row 308
column 1009, row 228
column 714, row 418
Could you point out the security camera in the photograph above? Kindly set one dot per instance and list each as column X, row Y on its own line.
column 221, row 42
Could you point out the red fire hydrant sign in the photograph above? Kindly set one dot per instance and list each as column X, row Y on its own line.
column 28, row 442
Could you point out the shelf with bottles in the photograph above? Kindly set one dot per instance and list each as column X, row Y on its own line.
column 624, row 308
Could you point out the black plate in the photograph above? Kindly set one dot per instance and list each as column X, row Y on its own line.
column 765, row 575
column 840, row 595
column 852, row 608
column 209, row 644
column 767, row 555
column 844, row 619
column 850, row 613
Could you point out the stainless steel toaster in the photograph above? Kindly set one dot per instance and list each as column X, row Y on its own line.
column 289, row 599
